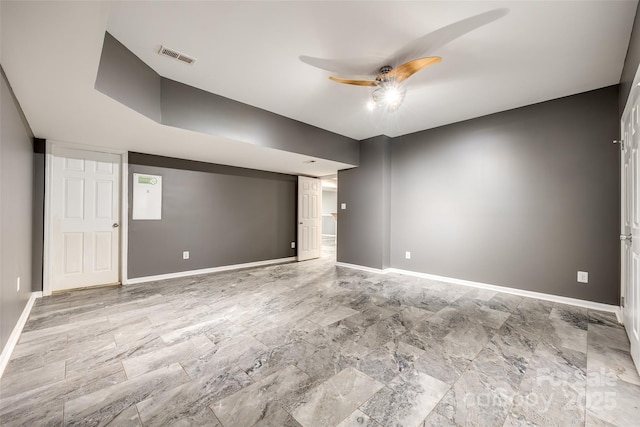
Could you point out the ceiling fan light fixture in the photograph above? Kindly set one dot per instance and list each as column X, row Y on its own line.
column 388, row 96
column 393, row 97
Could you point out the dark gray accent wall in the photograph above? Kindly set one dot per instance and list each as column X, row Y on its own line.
column 631, row 63
column 223, row 215
column 523, row 198
column 16, row 208
column 363, row 228
column 190, row 108
column 38, row 213
column 125, row 78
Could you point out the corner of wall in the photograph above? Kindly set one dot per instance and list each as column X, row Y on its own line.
column 364, row 227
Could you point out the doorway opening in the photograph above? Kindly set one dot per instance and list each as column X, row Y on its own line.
column 329, row 216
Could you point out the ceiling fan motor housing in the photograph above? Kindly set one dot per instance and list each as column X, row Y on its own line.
column 384, row 70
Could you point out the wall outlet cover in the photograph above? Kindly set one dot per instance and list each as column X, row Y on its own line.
column 293, row 245
column 185, row 255
column 343, row 206
column 407, row 255
column 583, row 277
column 18, row 284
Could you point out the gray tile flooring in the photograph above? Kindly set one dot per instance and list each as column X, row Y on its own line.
column 311, row 344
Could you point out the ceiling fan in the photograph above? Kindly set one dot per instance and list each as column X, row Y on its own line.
column 389, row 81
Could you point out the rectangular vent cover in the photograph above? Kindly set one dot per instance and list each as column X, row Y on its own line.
column 165, row 51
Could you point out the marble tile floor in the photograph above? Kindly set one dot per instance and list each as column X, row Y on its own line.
column 312, row 344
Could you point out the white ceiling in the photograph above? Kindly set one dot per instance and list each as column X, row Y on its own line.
column 249, row 51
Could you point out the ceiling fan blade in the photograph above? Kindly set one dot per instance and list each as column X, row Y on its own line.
column 354, row 67
column 355, row 82
column 429, row 42
column 407, row 69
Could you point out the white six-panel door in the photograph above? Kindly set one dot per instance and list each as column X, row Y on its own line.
column 630, row 224
column 85, row 206
column 309, row 218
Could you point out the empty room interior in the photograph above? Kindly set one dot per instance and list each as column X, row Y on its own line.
column 319, row 214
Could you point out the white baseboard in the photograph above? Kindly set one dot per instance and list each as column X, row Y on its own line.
column 514, row 291
column 621, row 319
column 361, row 267
column 208, row 270
column 17, row 330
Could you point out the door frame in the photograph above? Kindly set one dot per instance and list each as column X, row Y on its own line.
column 299, row 219
column 47, row 256
column 635, row 91
column 623, row 287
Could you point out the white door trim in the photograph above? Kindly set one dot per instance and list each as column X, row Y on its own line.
column 623, row 289
column 631, row 310
column 628, row 104
column 47, row 256
column 306, row 223
column 124, row 218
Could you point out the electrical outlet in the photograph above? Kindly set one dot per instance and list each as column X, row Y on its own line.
column 343, row 206
column 185, row 255
column 18, row 284
column 293, row 245
column 407, row 255
column 583, row 277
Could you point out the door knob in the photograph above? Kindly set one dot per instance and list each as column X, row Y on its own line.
column 115, row 225
column 628, row 237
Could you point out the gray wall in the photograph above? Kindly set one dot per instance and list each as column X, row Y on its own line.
column 125, row 78
column 329, row 205
column 190, row 108
column 16, row 190
column 631, row 63
column 37, row 230
column 363, row 228
column 223, row 215
column 523, row 198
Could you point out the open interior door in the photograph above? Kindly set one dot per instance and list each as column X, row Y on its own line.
column 309, row 218
column 630, row 223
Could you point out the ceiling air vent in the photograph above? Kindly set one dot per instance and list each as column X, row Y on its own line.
column 165, row 51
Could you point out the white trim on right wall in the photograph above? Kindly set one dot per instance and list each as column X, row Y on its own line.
column 513, row 291
column 361, row 268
